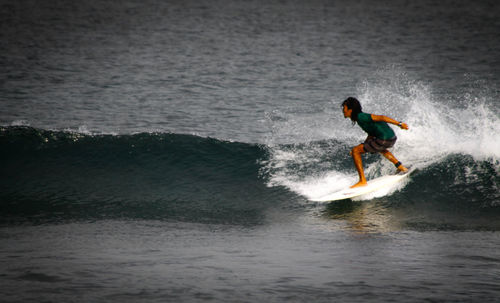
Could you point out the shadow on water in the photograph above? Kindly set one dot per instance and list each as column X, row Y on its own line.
column 386, row 215
column 341, row 209
column 361, row 216
column 457, row 194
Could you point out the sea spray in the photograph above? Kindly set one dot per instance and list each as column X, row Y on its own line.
column 439, row 128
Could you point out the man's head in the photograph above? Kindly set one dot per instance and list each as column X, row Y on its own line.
column 351, row 108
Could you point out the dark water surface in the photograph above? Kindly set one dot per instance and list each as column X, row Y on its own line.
column 166, row 151
column 293, row 261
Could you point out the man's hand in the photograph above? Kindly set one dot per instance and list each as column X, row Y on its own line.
column 403, row 125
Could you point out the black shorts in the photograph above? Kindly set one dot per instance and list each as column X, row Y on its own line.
column 376, row 145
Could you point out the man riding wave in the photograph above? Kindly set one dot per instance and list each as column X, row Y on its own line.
column 380, row 136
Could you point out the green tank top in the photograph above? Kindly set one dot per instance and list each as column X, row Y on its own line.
column 377, row 129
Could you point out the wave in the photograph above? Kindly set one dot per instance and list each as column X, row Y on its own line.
column 452, row 142
column 54, row 176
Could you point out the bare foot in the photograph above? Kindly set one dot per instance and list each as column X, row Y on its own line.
column 402, row 169
column 359, row 184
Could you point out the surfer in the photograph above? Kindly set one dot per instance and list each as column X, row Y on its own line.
column 380, row 136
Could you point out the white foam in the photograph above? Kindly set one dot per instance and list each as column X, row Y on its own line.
column 316, row 187
column 20, row 123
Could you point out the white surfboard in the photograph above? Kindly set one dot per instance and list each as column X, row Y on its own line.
column 373, row 185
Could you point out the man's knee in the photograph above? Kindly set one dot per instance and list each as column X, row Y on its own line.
column 385, row 152
column 358, row 149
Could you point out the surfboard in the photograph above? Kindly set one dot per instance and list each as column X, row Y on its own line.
column 371, row 186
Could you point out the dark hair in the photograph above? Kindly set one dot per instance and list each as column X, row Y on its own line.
column 353, row 103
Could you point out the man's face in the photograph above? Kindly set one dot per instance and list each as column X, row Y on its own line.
column 347, row 112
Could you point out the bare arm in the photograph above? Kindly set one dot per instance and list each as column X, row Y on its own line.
column 381, row 118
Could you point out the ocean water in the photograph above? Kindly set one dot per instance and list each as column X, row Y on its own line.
column 167, row 151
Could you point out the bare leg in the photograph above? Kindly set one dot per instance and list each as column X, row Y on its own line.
column 393, row 159
column 358, row 163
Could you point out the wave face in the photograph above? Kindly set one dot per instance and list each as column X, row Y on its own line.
column 56, row 176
